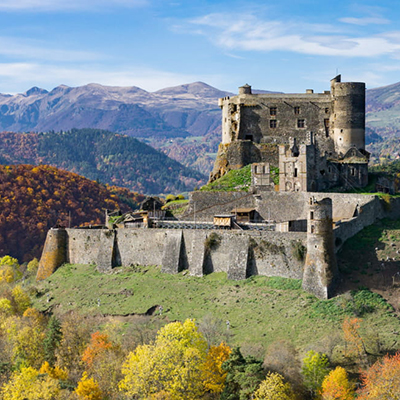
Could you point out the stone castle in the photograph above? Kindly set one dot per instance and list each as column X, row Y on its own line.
column 317, row 139
column 294, row 230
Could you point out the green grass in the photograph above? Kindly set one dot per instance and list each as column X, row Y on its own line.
column 236, row 179
column 260, row 310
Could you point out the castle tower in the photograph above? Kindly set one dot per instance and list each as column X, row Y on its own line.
column 348, row 116
column 245, row 89
column 54, row 253
column 320, row 267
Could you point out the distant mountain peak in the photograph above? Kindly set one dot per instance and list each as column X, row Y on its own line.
column 35, row 91
column 195, row 88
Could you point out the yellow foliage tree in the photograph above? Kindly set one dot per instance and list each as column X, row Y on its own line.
column 28, row 384
column 88, row 388
column 273, row 387
column 9, row 269
column 55, row 373
column 6, row 308
column 336, row 386
column 214, row 374
column 21, row 300
column 172, row 364
column 26, row 336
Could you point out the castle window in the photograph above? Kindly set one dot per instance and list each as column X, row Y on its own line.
column 326, row 124
column 272, row 123
column 312, row 215
column 312, row 228
column 295, row 173
column 352, row 171
column 326, row 110
column 272, row 111
column 297, row 110
column 248, row 137
column 301, row 123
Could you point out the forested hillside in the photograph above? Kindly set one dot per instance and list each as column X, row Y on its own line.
column 103, row 156
column 33, row 199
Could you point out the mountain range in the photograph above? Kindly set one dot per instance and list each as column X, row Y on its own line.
column 182, row 121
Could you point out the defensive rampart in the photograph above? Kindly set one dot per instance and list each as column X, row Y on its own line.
column 239, row 254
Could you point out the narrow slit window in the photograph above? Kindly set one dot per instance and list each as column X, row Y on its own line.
column 297, row 110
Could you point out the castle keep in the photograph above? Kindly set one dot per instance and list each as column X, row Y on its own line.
column 318, row 138
column 291, row 230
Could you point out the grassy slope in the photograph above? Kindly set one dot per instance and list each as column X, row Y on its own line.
column 261, row 310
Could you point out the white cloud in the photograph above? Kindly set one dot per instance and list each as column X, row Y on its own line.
column 250, row 33
column 365, row 21
column 67, row 5
column 18, row 77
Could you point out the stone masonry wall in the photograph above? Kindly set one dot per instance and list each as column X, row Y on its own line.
column 237, row 253
column 280, row 207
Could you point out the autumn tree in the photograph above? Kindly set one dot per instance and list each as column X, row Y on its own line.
column 75, row 337
column 336, row 386
column 172, row 364
column 25, row 335
column 354, row 343
column 9, row 269
column 88, row 389
column 99, row 343
column 29, row 384
column 382, row 380
column 273, row 387
column 315, row 368
column 213, row 374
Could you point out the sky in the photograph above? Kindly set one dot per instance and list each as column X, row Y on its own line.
column 280, row 45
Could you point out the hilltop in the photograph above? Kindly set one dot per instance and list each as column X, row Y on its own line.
column 103, row 156
column 34, row 199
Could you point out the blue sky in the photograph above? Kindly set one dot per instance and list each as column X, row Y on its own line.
column 273, row 45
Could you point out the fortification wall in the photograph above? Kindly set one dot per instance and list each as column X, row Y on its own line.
column 83, row 245
column 277, row 206
column 239, row 254
column 141, row 246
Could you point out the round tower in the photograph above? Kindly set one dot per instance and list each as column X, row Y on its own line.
column 320, row 267
column 54, row 253
column 348, row 117
column 245, row 89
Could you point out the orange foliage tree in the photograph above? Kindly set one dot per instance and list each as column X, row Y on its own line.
column 98, row 344
column 354, row 342
column 382, row 380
